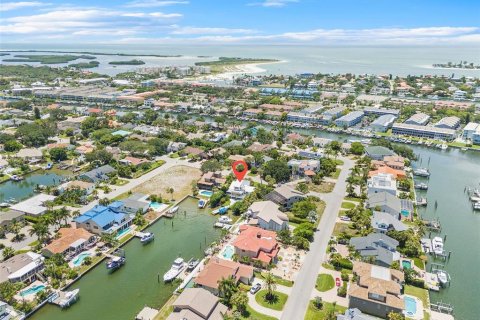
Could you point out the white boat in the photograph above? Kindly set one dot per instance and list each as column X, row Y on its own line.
column 421, row 172
column 444, row 146
column 202, row 203
column 147, row 237
column 443, row 277
column 225, row 219
column 437, row 245
column 4, row 205
column 177, row 267
column 476, row 206
column 173, row 210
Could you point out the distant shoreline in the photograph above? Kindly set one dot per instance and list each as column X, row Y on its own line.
column 96, row 53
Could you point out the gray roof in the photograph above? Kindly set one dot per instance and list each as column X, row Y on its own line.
column 200, row 302
column 378, row 151
column 385, row 120
column 379, row 245
column 10, row 215
column 379, row 219
column 355, row 314
column 384, row 199
column 284, row 192
column 99, row 173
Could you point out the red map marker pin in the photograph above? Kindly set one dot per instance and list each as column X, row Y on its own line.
column 240, row 174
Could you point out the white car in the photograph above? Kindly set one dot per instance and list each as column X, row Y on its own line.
column 254, row 289
column 345, row 218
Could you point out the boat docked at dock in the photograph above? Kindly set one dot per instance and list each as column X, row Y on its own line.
column 173, row 210
column 177, row 267
column 16, row 178
column 115, row 262
column 422, row 202
column 64, row 299
column 443, row 278
column 4, row 205
column 225, row 220
column 192, row 263
column 421, row 186
column 437, row 245
column 421, row 172
column 476, row 205
column 202, row 203
column 147, row 237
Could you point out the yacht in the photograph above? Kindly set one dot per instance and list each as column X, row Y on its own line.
column 202, row 203
column 225, row 219
column 115, row 262
column 421, row 172
column 476, row 206
column 437, row 245
column 444, row 146
column 4, row 205
column 421, row 186
column 177, row 267
column 443, row 277
column 147, row 237
column 173, row 210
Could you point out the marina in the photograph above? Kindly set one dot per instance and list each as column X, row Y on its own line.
column 136, row 284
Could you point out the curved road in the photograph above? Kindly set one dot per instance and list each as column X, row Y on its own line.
column 300, row 296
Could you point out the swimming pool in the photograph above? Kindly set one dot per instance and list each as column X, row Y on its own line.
column 406, row 264
column 205, row 193
column 123, row 232
column 79, row 259
column 32, row 290
column 155, row 205
column 228, row 252
column 410, row 306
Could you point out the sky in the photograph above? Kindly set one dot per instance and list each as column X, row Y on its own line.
column 339, row 22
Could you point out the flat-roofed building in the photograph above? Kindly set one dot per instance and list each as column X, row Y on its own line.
column 383, row 123
column 34, row 206
column 423, row 131
column 470, row 129
column 305, row 118
column 350, row 119
column 381, row 111
column 419, row 119
column 448, row 123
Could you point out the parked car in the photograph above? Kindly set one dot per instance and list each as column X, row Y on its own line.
column 344, row 218
column 338, row 282
column 254, row 289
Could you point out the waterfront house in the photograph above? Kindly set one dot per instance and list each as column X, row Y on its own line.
column 470, row 129
column 104, row 219
column 87, row 187
column 377, row 290
column 378, row 246
column 378, row 152
column 386, row 202
column 197, row 303
column 266, row 215
column 34, row 206
column 136, row 202
column 382, row 182
column 394, row 162
column 239, row 189
column 396, row 174
column 294, row 137
column 84, row 149
column 8, row 312
column 98, row 174
column 355, row 314
column 217, row 269
column 382, row 222
column 257, row 244
column 310, row 154
column 29, row 154
column 21, row 267
column 285, row 196
column 321, row 142
column 210, row 180
column 70, row 242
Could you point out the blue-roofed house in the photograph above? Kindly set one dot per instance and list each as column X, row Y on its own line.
column 105, row 219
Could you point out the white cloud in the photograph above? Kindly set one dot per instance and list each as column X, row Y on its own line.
column 207, row 30
column 7, row 6
column 153, row 3
column 272, row 3
column 152, row 14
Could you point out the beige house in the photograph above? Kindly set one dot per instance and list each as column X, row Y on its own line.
column 30, row 154
column 377, row 290
column 267, row 216
column 197, row 303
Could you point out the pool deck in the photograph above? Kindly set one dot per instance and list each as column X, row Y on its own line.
column 29, row 297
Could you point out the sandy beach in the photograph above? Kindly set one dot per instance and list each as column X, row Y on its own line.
column 247, row 68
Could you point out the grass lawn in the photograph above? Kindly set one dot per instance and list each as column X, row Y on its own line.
column 348, row 205
column 353, row 199
column 121, row 182
column 325, row 282
column 278, row 280
column 315, row 314
column 336, row 174
column 324, row 187
column 419, row 263
column 342, row 227
column 339, row 162
column 252, row 314
column 276, row 304
column 420, row 293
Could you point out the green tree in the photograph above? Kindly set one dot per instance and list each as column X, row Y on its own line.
column 357, row 148
column 277, row 169
column 36, row 113
column 58, row 154
column 211, row 166
column 270, row 285
column 8, row 252
column 12, row 146
column 226, row 289
column 395, row 316
column 240, row 301
column 302, row 208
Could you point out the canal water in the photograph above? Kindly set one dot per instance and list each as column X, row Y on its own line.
column 23, row 189
column 122, row 294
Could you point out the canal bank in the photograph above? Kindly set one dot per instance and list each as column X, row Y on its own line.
column 122, row 294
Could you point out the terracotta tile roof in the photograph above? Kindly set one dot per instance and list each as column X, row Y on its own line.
column 397, row 174
column 257, row 240
column 217, row 269
column 67, row 237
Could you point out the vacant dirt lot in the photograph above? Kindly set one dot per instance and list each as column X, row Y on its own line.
column 179, row 178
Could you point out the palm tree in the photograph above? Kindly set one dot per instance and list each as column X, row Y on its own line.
column 240, row 301
column 64, row 214
column 270, row 285
column 104, row 201
column 15, row 228
column 8, row 252
column 109, row 238
column 171, row 191
column 95, row 193
column 226, row 288
column 40, row 229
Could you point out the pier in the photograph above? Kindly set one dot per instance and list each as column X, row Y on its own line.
column 64, row 299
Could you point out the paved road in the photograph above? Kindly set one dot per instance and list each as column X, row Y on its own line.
column 298, row 301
